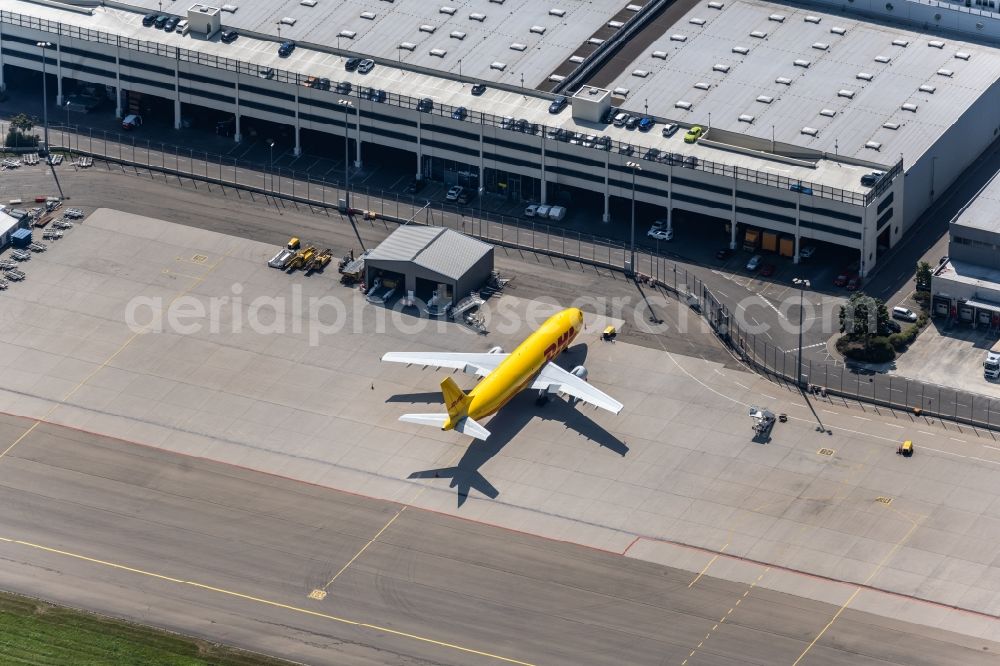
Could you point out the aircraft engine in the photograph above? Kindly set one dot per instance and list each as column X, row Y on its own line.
column 496, row 350
column 580, row 372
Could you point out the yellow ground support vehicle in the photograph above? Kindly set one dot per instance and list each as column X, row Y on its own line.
column 905, row 449
column 301, row 258
column 320, row 261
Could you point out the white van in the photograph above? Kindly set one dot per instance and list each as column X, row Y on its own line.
column 557, row 213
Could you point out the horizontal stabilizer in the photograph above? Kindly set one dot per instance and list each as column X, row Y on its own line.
column 436, row 420
column 470, row 427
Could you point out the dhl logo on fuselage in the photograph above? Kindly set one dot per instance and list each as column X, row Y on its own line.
column 564, row 339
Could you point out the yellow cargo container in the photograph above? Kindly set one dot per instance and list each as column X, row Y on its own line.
column 770, row 242
column 787, row 247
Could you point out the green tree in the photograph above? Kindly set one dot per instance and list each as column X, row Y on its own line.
column 863, row 317
column 923, row 276
column 22, row 122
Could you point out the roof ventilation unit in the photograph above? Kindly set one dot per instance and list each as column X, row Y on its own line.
column 901, row 42
column 873, row 145
column 450, row 11
column 829, row 113
column 849, row 94
column 368, row 15
column 909, row 106
column 556, row 78
column 407, row 46
column 936, row 43
column 596, row 41
column 811, row 131
column 927, row 88
column 890, row 125
column 715, row 5
column 812, row 19
column 697, row 21
column 765, row 99
column 498, row 65
column 758, row 34
column 440, row 53
column 701, row 85
column 820, row 46
column 428, row 28
column 621, row 91
column 945, row 72
column 719, row 67
column 576, row 59
column 882, row 59
column 678, row 38
column 742, row 50
column 538, row 29
column 641, row 73
column 476, row 16
column 288, row 20
column 517, row 46
column 457, row 34
column 307, row 3
column 557, row 12
column 617, row 25
column 783, row 80
column 779, row 18
column 229, row 8
column 347, row 34
column 662, row 55
column 802, row 63
column 961, row 55
column 864, row 76
column 746, row 118
column 837, row 30
column 681, row 104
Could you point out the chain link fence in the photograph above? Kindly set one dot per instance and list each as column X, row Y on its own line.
column 854, row 383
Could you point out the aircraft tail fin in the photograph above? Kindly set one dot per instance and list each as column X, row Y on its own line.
column 455, row 399
column 464, row 425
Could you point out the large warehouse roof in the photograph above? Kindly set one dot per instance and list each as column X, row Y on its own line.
column 823, row 81
column 526, row 37
column 442, row 251
column 984, row 211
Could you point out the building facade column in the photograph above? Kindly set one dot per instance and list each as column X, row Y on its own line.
column 59, row 76
column 177, row 93
column 298, row 127
column 482, row 157
column 357, row 145
column 3, row 83
column 798, row 227
column 732, row 217
column 237, row 134
column 606, row 217
column 118, row 79
column 420, row 152
column 544, row 193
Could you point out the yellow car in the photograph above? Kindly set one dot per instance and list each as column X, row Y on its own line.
column 694, row 134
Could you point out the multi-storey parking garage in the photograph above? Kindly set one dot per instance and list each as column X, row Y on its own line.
column 502, row 140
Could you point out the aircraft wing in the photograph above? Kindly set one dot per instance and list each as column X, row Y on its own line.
column 554, row 378
column 473, row 364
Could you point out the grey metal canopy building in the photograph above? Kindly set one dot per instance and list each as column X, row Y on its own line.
column 431, row 260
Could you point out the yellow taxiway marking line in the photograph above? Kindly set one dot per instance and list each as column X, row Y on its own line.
column 274, row 604
column 363, row 549
column 728, row 613
column 857, row 590
column 710, row 563
column 103, row 365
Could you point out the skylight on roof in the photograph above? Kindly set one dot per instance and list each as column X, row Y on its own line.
column 428, row 28
column 837, row 30
column 517, row 46
column 811, row 131
column 457, row 34
column 719, row 67
column 873, row 145
column 936, row 44
column 476, row 16
column 557, row 12
column 801, row 63
column 882, row 59
column 758, row 34
column 765, row 99
column 681, row 104
column 909, row 106
column 961, row 55
column 498, row 65
column 812, row 19
column 702, row 85
column 537, row 29
column 641, row 73
column 780, row 18
column 901, row 42
column 783, row 80
column 742, row 50
column 662, row 55
column 849, row 94
column 927, row 88
column 864, row 76
column 945, row 72
column 820, row 46
column 829, row 113
column 678, row 38
column 890, row 125
column 716, row 5
column 450, row 11
column 697, row 21
column 746, row 118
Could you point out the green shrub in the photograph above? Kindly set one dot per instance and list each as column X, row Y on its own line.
column 898, row 341
column 879, row 349
column 17, row 139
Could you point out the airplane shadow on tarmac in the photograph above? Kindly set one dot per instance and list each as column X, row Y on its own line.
column 505, row 425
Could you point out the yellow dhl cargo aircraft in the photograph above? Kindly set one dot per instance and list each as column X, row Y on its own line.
column 505, row 375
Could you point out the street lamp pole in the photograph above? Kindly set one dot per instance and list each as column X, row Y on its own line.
column 45, row 96
column 802, row 285
column 634, row 166
column 270, row 161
